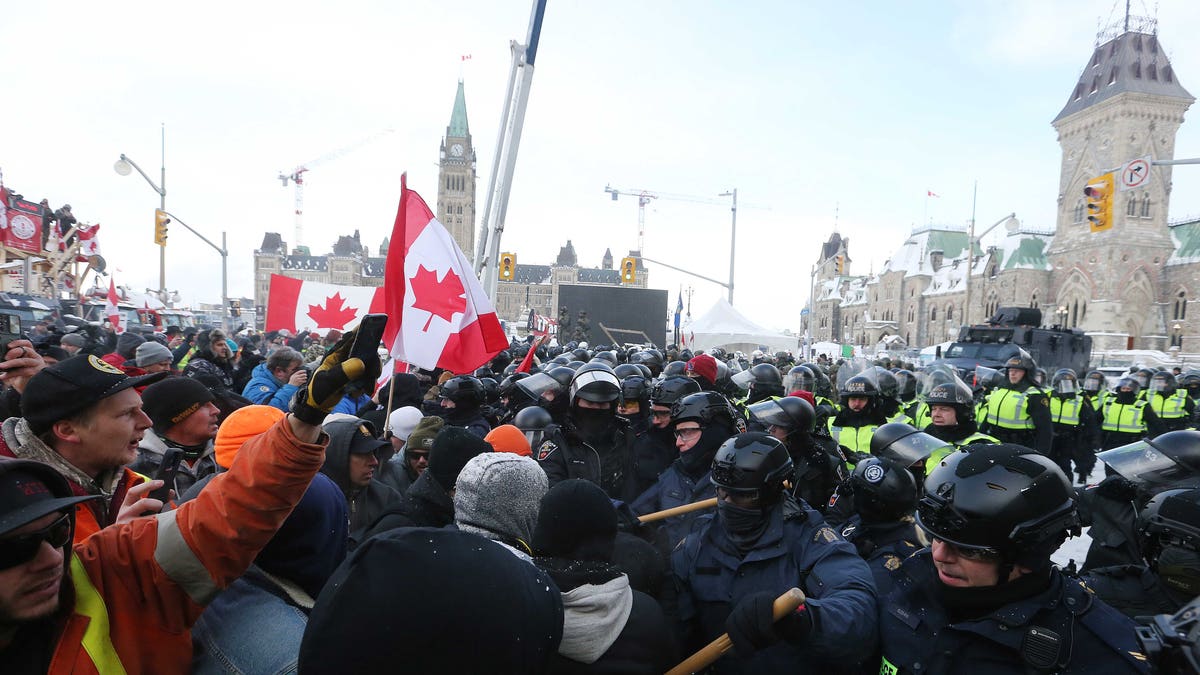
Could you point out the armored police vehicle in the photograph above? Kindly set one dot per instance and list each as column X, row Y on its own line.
column 1013, row 328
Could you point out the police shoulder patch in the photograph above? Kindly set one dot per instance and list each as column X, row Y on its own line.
column 263, row 387
column 891, row 562
column 825, row 534
column 546, row 449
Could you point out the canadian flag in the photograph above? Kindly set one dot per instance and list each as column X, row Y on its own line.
column 445, row 319
column 89, row 244
column 298, row 305
column 110, row 306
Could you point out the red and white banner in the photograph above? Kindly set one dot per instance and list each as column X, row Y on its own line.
column 446, row 320
column 89, row 243
column 541, row 325
column 24, row 229
column 110, row 306
column 299, row 305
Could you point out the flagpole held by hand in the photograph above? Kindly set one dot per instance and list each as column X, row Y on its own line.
column 784, row 605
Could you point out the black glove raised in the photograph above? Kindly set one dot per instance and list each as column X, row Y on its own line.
column 327, row 384
column 752, row 626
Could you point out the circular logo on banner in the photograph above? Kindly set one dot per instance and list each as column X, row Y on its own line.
column 873, row 473
column 22, row 226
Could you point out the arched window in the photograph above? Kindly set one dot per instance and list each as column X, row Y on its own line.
column 933, row 313
column 1131, row 206
column 949, row 312
column 1145, row 206
column 1180, row 312
column 1033, row 300
column 1078, row 214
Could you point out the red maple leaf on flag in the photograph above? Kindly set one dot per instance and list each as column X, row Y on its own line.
column 441, row 298
column 334, row 314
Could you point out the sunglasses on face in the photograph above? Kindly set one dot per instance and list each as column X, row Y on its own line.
column 22, row 548
column 688, row 434
column 977, row 554
column 660, row 414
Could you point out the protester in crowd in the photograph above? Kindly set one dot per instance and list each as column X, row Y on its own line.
column 429, row 502
column 277, row 592
column 355, row 399
column 83, row 418
column 126, row 349
column 151, row 357
column 72, row 343
column 185, row 418
column 187, row 346
column 985, row 597
column 607, row 626
column 275, row 381
column 733, row 565
column 497, row 496
column 508, row 438
column 411, row 459
column 703, row 369
column 124, row 599
column 213, row 350
column 351, row 458
column 241, row 426
column 469, row 606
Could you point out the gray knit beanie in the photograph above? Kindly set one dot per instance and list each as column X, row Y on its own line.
column 497, row 496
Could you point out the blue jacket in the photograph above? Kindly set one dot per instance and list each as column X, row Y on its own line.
column 797, row 550
column 264, row 389
column 675, row 488
column 350, row 406
column 228, row 636
column 1078, row 633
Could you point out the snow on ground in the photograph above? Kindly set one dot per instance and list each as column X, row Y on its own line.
column 1076, row 548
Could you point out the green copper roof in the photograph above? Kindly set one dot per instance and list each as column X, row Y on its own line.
column 1030, row 253
column 952, row 244
column 458, row 117
column 1187, row 239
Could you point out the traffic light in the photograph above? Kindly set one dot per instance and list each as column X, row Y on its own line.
column 235, row 308
column 1099, row 195
column 508, row 266
column 160, row 227
column 628, row 270
column 839, row 264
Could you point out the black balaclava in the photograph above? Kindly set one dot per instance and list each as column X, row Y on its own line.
column 460, row 415
column 869, row 415
column 593, row 425
column 745, row 526
column 697, row 461
column 1125, row 397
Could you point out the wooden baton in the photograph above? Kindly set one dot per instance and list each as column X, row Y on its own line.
column 784, row 605
column 686, row 508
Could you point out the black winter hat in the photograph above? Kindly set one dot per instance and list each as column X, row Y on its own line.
column 452, row 449
column 69, row 387
column 477, row 609
column 169, row 402
column 577, row 521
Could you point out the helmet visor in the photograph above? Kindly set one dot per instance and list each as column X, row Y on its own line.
column 1064, row 386
column 798, row 382
column 911, row 449
column 742, row 380
column 1092, row 384
column 538, row 384
column 1157, row 385
column 769, row 412
column 1144, row 464
column 985, row 376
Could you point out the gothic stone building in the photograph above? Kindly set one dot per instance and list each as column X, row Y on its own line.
column 1127, row 287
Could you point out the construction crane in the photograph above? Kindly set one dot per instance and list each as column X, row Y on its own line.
column 644, row 197
column 296, row 177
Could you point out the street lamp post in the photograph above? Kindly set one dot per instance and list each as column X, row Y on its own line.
column 122, row 167
column 972, row 240
column 732, row 237
column 224, row 251
column 1177, row 336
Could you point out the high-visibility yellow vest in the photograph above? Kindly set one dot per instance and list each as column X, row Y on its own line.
column 1126, row 418
column 1065, row 411
column 922, row 416
column 938, row 455
column 1170, row 407
column 1006, row 408
column 854, row 438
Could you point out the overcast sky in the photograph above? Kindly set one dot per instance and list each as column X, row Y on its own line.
column 808, row 109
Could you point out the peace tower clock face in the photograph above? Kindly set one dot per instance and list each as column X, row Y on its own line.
column 456, row 150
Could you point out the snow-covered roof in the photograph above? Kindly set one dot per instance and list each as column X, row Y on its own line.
column 913, row 256
column 1025, row 249
column 1186, row 237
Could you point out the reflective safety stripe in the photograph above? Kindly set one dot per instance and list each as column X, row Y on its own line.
column 96, row 639
column 1065, row 410
column 1171, row 407
column 1124, row 418
column 886, row 667
column 1006, row 409
column 855, row 438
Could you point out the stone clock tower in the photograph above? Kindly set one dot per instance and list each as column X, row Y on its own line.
column 456, row 178
column 1127, row 104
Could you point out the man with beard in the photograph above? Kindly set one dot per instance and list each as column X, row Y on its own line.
column 985, row 597
column 214, row 351
column 655, row 449
column 860, row 415
column 592, row 443
column 184, row 417
column 351, row 459
column 759, row 544
column 460, row 399
column 83, row 417
column 701, row 422
column 820, row 464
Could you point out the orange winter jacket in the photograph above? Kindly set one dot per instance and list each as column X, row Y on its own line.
column 139, row 586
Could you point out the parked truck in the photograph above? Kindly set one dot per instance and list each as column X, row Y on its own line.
column 1011, row 328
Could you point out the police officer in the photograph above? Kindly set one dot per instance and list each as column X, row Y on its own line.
column 655, row 449
column 701, row 423
column 1095, row 390
column 592, row 443
column 1168, row 530
column 1075, row 425
column 550, row 390
column 860, row 415
column 808, row 377
column 1018, row 411
column 1138, row 471
column 634, row 404
column 900, row 444
column 758, row 545
column 1170, row 404
column 819, row 464
column 765, row 381
column 461, row 399
column 882, row 528
column 889, row 396
column 1126, row 416
column 952, row 416
column 984, row 596
column 907, row 383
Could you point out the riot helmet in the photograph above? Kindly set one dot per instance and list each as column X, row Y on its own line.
column 1170, row 459
column 1171, row 517
column 627, row 370
column 1127, row 390
column 1064, row 382
column 789, row 412
column 766, row 382
column 608, row 357
column 824, row 387
column 752, row 465
column 799, row 378
column 464, row 391
column 1143, row 375
column 903, row 444
column 1094, row 382
column 491, row 390
column 883, row 492
column 671, row 389
column 708, row 408
column 635, row 390
column 595, row 382
column 907, row 383
column 575, row 365
column 862, row 385
column 508, row 383
column 675, row 368
column 1163, row 383
column 533, row 422
column 889, row 388
column 1003, row 501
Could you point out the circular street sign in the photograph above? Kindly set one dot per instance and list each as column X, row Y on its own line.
column 1135, row 174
